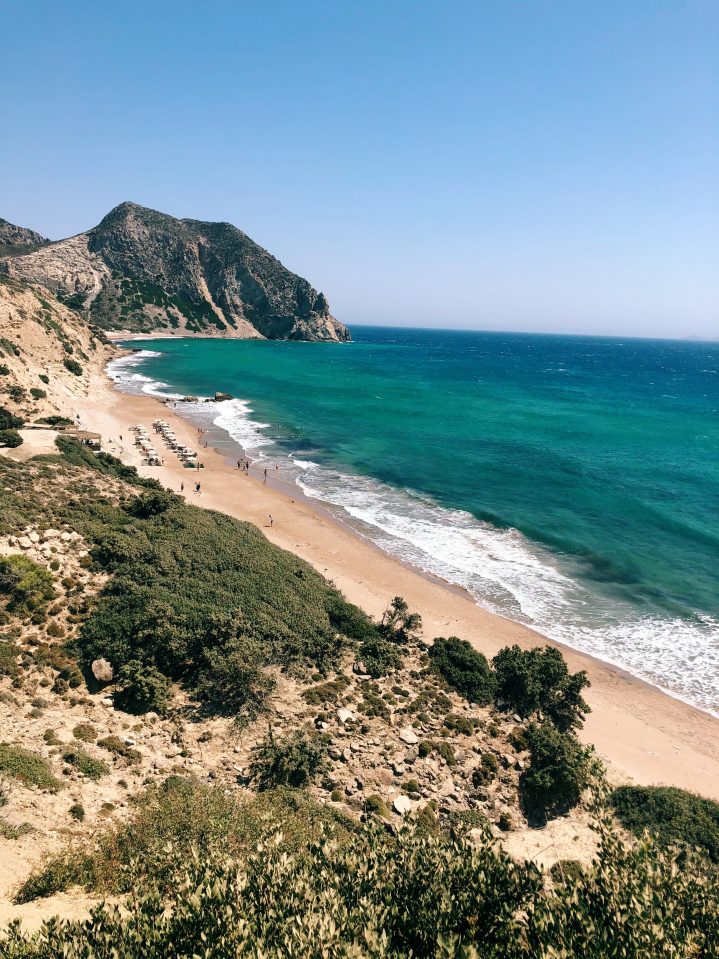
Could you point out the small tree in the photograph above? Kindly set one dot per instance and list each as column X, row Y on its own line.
column 398, row 624
column 464, row 668
column 537, row 680
column 560, row 770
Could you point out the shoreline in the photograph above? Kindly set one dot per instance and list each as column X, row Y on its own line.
column 645, row 734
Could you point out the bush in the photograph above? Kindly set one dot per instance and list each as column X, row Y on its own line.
column 27, row 585
column 37, row 393
column 10, row 439
column 537, row 680
column 44, row 378
column 4, row 369
column 8, row 659
column 27, row 768
column 463, row 668
column 232, row 680
column 376, row 805
column 560, row 770
column 55, row 420
column 85, row 732
column 143, row 689
column 294, row 761
column 379, row 656
column 398, row 624
column 675, row 816
column 85, row 763
column 8, row 420
column 114, row 745
column 77, row 812
column 72, row 365
column 351, row 899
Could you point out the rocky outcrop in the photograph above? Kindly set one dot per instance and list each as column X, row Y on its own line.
column 144, row 271
column 18, row 239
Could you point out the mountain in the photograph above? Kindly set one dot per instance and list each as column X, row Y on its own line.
column 18, row 239
column 144, row 271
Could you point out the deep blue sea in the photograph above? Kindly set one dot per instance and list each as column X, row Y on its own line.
column 570, row 483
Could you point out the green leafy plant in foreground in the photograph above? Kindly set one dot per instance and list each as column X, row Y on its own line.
column 382, row 896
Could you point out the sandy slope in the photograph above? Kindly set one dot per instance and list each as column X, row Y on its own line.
column 646, row 736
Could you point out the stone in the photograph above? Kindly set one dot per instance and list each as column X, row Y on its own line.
column 65, row 537
column 24, row 542
column 344, row 715
column 383, row 777
column 447, row 788
column 402, row 804
column 51, row 533
column 107, row 702
column 33, row 537
column 102, row 670
column 507, row 761
column 408, row 736
column 129, row 741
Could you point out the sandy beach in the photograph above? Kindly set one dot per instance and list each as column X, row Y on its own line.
column 644, row 735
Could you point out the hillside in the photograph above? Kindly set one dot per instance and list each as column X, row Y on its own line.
column 48, row 353
column 17, row 239
column 143, row 271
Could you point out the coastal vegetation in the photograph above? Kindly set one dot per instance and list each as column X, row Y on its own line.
column 279, row 877
column 674, row 816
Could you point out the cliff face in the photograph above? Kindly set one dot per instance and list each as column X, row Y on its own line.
column 144, row 271
column 18, row 239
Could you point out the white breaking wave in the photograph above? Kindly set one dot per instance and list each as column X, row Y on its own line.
column 503, row 570
column 122, row 372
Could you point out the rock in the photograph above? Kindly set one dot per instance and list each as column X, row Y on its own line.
column 102, row 670
column 24, row 542
column 356, row 747
column 402, row 804
column 221, row 397
column 517, row 718
column 447, row 788
column 408, row 736
column 347, row 754
column 151, row 717
column 399, row 769
column 129, row 741
column 359, row 667
column 51, row 534
column 344, row 715
column 332, row 753
column 383, row 777
column 107, row 702
column 65, row 537
column 507, row 761
column 33, row 537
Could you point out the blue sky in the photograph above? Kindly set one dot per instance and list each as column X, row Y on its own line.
column 499, row 165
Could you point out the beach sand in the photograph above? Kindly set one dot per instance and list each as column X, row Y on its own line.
column 644, row 735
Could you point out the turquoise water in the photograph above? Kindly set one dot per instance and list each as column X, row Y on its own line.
column 571, row 483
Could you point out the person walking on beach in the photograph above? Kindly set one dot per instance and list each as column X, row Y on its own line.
column 197, row 488
column 239, row 464
column 270, row 518
column 182, row 487
column 265, row 475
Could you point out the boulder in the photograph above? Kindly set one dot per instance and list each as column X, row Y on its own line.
column 102, row 670
column 24, row 542
column 344, row 715
column 408, row 736
column 402, row 804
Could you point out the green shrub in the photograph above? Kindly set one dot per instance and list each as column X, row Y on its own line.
column 294, row 761
column 174, row 819
column 459, row 724
column 468, row 898
column 117, row 747
column 85, row 732
column 398, row 624
column 77, row 812
column 537, row 680
column 8, row 659
column 28, row 587
column 90, row 767
column 487, row 770
column 675, row 816
column 8, row 420
column 568, row 871
column 10, row 439
column 72, row 365
column 44, row 378
column 55, row 420
column 376, row 805
column 439, row 746
column 37, row 393
column 4, row 369
column 325, row 693
column 379, row 656
column 463, row 668
column 27, row 768
column 143, row 689
column 560, row 770
column 232, row 680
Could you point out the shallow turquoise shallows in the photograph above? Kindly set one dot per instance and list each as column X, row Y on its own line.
column 571, row 483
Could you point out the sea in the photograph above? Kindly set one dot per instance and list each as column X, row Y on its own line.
column 569, row 483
